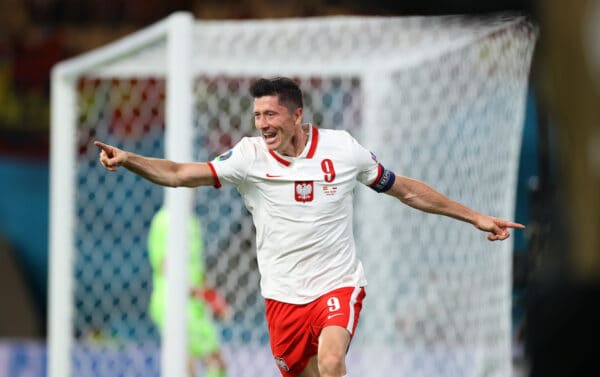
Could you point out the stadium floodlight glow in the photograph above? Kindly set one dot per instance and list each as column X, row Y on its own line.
column 440, row 99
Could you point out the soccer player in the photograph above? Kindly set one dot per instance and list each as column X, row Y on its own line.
column 297, row 181
column 203, row 342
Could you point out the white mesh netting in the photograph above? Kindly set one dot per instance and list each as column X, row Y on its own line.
column 440, row 99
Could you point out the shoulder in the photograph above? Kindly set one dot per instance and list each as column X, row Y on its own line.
column 336, row 138
column 254, row 143
column 247, row 146
column 330, row 132
column 331, row 135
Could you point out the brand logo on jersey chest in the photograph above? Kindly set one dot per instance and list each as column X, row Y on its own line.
column 304, row 191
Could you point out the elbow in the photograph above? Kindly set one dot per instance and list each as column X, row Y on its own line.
column 164, row 181
column 176, row 178
column 170, row 180
column 179, row 181
column 417, row 202
column 409, row 199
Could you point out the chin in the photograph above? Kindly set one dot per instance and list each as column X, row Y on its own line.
column 272, row 146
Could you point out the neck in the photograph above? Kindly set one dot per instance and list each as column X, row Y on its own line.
column 298, row 142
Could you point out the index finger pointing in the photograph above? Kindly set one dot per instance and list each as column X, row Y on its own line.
column 101, row 145
column 510, row 224
column 107, row 149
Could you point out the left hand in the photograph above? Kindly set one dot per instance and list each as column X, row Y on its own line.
column 497, row 228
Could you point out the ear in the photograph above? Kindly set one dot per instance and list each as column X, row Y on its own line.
column 298, row 115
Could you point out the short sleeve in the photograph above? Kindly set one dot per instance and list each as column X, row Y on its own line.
column 368, row 167
column 232, row 166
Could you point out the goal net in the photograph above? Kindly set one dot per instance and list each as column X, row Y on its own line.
column 440, row 99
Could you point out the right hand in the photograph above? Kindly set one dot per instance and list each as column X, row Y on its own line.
column 111, row 157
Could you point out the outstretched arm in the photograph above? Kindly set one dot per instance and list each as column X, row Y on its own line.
column 420, row 196
column 159, row 171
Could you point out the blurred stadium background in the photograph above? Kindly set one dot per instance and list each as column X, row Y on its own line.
column 556, row 261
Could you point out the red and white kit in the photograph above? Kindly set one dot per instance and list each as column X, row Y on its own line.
column 302, row 211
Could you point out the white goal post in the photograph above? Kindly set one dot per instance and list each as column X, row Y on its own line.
column 439, row 99
column 176, row 34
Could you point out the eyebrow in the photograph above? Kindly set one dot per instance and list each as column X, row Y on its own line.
column 266, row 111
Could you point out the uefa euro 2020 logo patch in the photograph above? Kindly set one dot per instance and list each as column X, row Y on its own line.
column 224, row 156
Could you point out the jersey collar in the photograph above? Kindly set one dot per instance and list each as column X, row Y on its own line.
column 308, row 151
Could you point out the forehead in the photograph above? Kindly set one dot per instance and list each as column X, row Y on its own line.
column 267, row 103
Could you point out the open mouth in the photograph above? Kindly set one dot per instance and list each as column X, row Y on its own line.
column 269, row 136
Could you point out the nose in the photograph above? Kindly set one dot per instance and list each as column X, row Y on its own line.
column 260, row 122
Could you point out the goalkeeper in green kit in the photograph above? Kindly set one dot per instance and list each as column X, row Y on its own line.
column 203, row 341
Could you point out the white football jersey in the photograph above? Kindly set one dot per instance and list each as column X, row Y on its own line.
column 302, row 210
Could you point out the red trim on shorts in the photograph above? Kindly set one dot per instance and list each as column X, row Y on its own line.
column 352, row 320
column 214, row 174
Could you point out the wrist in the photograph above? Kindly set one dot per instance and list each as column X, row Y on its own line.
column 126, row 159
column 474, row 217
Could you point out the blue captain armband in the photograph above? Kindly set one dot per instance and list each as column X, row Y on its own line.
column 384, row 180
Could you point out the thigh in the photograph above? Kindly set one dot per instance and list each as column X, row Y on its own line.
column 334, row 341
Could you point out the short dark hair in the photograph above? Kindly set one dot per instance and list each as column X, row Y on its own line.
column 287, row 91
